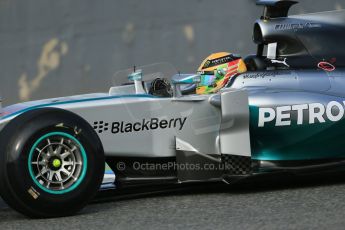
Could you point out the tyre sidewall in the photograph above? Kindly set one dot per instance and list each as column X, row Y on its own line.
column 20, row 136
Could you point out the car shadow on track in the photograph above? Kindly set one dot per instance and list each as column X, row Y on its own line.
column 253, row 185
column 257, row 184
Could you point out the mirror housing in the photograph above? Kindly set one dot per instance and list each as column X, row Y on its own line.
column 184, row 79
column 137, row 78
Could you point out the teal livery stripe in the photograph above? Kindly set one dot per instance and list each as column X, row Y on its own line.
column 296, row 142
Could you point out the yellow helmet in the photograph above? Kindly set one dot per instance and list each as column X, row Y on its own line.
column 216, row 71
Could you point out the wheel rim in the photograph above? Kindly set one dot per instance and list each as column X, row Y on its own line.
column 57, row 162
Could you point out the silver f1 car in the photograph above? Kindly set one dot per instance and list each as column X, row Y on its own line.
column 286, row 114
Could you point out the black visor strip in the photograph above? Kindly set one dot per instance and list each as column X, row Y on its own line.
column 219, row 61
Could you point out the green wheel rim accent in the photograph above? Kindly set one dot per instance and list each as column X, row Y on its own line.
column 83, row 155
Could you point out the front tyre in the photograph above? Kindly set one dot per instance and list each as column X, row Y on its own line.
column 51, row 163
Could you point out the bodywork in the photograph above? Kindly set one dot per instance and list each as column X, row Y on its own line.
column 286, row 118
column 278, row 116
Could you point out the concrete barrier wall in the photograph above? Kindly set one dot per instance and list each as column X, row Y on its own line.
column 54, row 48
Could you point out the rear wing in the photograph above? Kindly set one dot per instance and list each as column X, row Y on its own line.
column 276, row 8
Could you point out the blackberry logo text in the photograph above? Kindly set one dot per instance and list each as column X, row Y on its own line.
column 143, row 125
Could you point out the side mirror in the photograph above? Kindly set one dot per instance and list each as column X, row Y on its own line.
column 138, row 81
column 184, row 79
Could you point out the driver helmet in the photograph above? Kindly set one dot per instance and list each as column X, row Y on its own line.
column 216, row 71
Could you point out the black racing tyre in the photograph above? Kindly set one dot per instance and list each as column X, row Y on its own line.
column 51, row 163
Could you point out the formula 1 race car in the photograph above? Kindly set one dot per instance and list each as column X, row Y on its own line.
column 285, row 114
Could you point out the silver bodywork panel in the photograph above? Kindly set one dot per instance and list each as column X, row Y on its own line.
column 234, row 131
column 189, row 120
column 146, row 126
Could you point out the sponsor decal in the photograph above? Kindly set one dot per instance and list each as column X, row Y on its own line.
column 326, row 66
column 33, row 193
column 207, row 64
column 296, row 26
column 263, row 75
column 143, row 125
column 283, row 62
column 314, row 113
column 101, row 126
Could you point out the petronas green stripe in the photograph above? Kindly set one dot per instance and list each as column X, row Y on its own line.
column 296, row 142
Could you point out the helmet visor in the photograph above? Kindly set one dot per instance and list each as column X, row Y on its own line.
column 207, row 80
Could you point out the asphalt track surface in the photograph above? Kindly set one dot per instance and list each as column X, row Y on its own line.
column 316, row 202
